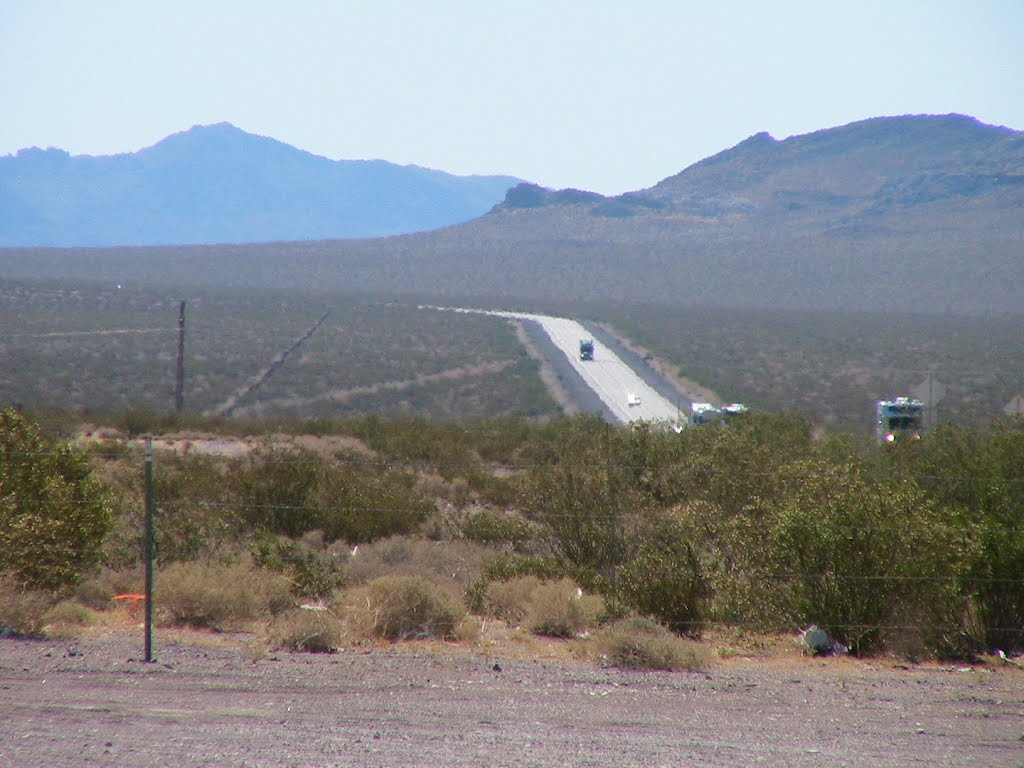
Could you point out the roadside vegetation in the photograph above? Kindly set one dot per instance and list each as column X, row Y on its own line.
column 633, row 544
column 105, row 348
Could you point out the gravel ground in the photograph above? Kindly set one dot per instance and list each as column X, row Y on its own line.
column 91, row 701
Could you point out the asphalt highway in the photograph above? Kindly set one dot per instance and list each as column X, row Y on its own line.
column 627, row 397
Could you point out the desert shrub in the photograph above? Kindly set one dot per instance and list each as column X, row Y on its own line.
column 498, row 440
column 192, row 517
column 275, row 490
column 67, row 617
column 468, row 630
column 55, row 424
column 439, row 562
column 54, row 515
column 638, row 643
column 554, row 441
column 559, row 609
column 310, row 631
column 728, row 468
column 294, row 492
column 506, row 567
column 93, row 594
column 852, row 554
column 584, row 504
column 22, row 610
column 359, row 506
column 403, row 608
column 664, row 578
column 490, row 488
column 220, row 596
column 509, row 600
column 110, row 449
column 312, row 574
column 97, row 591
column 135, row 421
column 979, row 476
column 489, row 527
column 415, row 440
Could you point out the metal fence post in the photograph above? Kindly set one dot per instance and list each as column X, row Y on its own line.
column 150, row 535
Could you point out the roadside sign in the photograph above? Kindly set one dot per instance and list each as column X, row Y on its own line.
column 931, row 391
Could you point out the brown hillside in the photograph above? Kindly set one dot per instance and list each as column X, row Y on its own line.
column 916, row 213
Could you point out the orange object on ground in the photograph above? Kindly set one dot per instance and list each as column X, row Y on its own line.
column 133, row 602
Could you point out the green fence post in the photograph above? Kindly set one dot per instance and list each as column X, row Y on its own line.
column 150, row 536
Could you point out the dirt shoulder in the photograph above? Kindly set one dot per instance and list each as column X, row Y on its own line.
column 206, row 701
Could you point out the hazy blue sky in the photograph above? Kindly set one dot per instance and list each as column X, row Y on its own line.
column 605, row 96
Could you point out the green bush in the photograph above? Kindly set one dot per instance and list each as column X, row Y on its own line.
column 664, row 577
column 979, row 476
column 294, row 492
column 584, row 503
column 729, row 468
column 22, row 610
column 359, row 506
column 220, row 596
column 490, row 527
column 97, row 591
column 856, row 555
column 498, row 440
column 403, row 608
column 496, row 490
column 637, row 643
column 275, row 489
column 193, row 516
column 415, row 440
column 312, row 574
column 136, row 421
column 54, row 515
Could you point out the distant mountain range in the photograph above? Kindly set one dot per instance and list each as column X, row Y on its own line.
column 219, row 184
column 915, row 213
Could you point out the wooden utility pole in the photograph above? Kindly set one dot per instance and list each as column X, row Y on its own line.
column 179, row 388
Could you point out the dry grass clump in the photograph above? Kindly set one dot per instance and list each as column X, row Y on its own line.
column 67, row 618
column 442, row 562
column 469, row 630
column 638, row 643
column 220, row 596
column 97, row 591
column 509, row 600
column 309, row 631
column 22, row 611
column 560, row 609
column 403, row 608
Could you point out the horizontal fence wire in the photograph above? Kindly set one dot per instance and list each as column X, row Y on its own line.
column 270, row 455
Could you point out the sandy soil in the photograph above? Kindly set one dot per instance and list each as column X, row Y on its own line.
column 206, row 702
